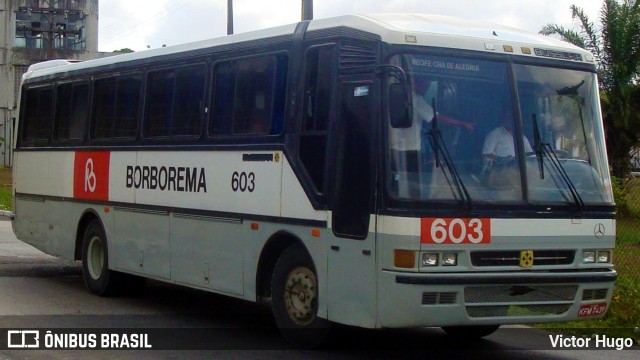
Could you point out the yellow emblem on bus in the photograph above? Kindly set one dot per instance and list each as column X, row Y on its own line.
column 276, row 157
column 526, row 258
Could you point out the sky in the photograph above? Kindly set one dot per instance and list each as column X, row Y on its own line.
column 143, row 24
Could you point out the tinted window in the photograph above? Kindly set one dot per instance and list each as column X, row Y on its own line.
column 71, row 111
column 223, row 104
column 353, row 188
column 159, row 99
column 104, row 106
column 175, row 102
column 37, row 115
column 317, row 105
column 116, row 103
column 249, row 96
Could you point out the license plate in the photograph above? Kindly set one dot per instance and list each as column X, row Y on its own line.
column 592, row 309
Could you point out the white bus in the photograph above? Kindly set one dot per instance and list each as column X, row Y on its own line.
column 359, row 170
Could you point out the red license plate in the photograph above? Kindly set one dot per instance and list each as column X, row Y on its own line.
column 592, row 309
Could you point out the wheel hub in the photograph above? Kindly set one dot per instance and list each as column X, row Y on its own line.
column 95, row 258
column 301, row 295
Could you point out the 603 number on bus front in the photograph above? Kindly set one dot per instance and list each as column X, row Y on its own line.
column 455, row 231
column 242, row 181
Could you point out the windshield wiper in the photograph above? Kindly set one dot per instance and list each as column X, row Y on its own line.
column 437, row 144
column 545, row 149
column 563, row 174
column 537, row 144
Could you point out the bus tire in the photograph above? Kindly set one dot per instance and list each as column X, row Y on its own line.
column 95, row 261
column 294, row 291
column 470, row 332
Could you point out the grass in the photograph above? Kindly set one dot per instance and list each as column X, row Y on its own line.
column 5, row 189
column 632, row 191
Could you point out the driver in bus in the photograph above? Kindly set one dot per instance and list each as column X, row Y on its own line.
column 499, row 147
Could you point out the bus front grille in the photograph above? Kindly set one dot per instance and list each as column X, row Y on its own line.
column 436, row 298
column 516, row 310
column 519, row 293
column 518, row 300
column 512, row 258
column 594, row 294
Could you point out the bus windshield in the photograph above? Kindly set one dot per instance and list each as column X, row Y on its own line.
column 468, row 143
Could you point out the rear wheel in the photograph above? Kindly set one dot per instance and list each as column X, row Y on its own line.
column 471, row 332
column 95, row 261
column 294, row 290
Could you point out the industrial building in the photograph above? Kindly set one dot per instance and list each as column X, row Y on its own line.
column 33, row 31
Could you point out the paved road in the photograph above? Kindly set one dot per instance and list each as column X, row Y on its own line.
column 43, row 292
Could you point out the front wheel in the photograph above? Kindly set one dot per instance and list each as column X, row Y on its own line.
column 95, row 261
column 294, row 290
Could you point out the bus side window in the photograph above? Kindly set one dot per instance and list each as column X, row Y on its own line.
column 79, row 111
column 224, row 92
column 103, row 100
column 116, row 103
column 72, row 102
column 127, row 104
column 37, row 119
column 249, row 96
column 316, row 112
column 160, row 86
column 253, row 98
column 174, row 104
column 188, row 103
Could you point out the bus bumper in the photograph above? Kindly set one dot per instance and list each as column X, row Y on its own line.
column 412, row 300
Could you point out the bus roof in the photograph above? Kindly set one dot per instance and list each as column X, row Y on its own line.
column 405, row 29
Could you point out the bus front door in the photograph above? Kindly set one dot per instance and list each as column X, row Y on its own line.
column 351, row 261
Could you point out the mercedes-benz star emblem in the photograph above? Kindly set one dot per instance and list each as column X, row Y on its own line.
column 598, row 230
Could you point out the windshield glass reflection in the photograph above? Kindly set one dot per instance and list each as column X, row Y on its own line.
column 563, row 104
column 464, row 150
column 463, row 144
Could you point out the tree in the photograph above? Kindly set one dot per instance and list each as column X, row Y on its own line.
column 615, row 45
column 123, row 51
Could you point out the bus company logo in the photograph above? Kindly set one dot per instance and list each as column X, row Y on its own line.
column 91, row 175
column 526, row 258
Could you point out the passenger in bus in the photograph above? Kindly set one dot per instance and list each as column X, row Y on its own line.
column 406, row 143
column 409, row 139
column 498, row 151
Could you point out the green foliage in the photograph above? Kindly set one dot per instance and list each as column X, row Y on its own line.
column 624, row 311
column 615, row 43
column 5, row 198
column 620, row 197
column 123, row 51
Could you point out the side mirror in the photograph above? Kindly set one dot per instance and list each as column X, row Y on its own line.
column 400, row 112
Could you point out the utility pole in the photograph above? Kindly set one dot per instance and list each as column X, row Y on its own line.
column 229, row 17
column 307, row 13
column 307, row 10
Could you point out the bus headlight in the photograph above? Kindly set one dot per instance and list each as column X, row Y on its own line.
column 589, row 257
column 604, row 256
column 429, row 259
column 449, row 259
column 596, row 256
